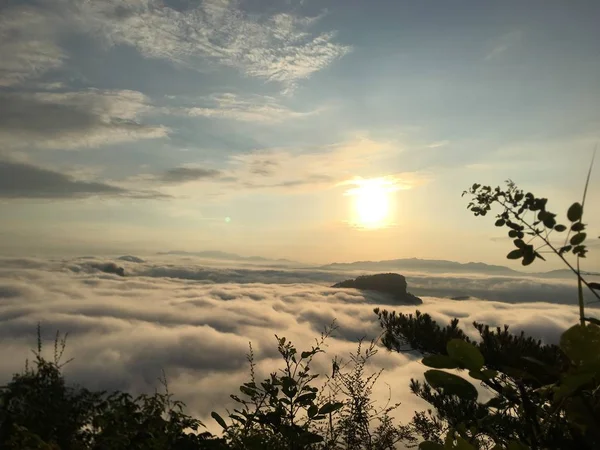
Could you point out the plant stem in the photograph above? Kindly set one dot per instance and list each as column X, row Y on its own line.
column 580, row 296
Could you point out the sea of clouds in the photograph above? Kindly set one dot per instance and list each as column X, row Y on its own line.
column 195, row 319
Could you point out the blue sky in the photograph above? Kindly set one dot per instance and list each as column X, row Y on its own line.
column 143, row 125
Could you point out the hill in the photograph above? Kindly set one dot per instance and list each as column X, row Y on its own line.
column 393, row 284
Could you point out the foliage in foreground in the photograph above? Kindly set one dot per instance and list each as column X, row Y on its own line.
column 529, row 396
column 535, row 396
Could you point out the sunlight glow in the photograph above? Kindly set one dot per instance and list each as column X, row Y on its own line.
column 372, row 202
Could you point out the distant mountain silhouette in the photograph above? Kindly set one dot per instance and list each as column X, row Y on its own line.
column 216, row 254
column 393, row 284
column 441, row 266
column 131, row 258
column 428, row 265
column 403, row 264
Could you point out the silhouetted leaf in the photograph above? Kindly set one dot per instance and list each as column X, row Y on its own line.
column 483, row 375
column 575, row 212
column 312, row 438
column 560, row 228
column 313, row 410
column 595, row 286
column 578, row 226
column 515, row 254
column 451, row 384
column 306, row 399
column 500, row 222
column 496, row 402
column 440, row 362
column 578, row 239
column 528, row 258
column 512, row 234
column 330, row 407
column 465, row 353
column 564, row 249
column 219, row 419
column 248, row 391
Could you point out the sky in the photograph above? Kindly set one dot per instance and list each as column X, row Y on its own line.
column 313, row 130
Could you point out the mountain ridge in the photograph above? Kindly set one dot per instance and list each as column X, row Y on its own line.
column 414, row 264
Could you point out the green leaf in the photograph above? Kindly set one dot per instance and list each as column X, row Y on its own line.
column 306, row 399
column 582, row 344
column 515, row 254
column 566, row 248
column 428, row 445
column 528, row 258
column 462, row 444
column 451, row 384
column 538, row 365
column 549, row 221
column 560, row 228
column 516, row 445
column 311, row 438
column 578, row 413
column 575, row 212
column 483, row 375
column 578, row 238
column 496, row 402
column 248, row 391
column 571, row 383
column 440, row 362
column 465, row 353
column 519, row 243
column 330, row 407
column 219, row 419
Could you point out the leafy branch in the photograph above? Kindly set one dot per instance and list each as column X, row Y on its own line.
column 518, row 207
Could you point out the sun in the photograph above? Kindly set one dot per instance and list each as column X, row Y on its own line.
column 371, row 202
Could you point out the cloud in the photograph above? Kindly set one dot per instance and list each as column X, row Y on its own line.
column 251, row 108
column 279, row 47
column 286, row 169
column 438, row 144
column 308, row 169
column 504, row 43
column 388, row 183
column 20, row 180
column 173, row 314
column 68, row 120
column 184, row 174
column 27, row 44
